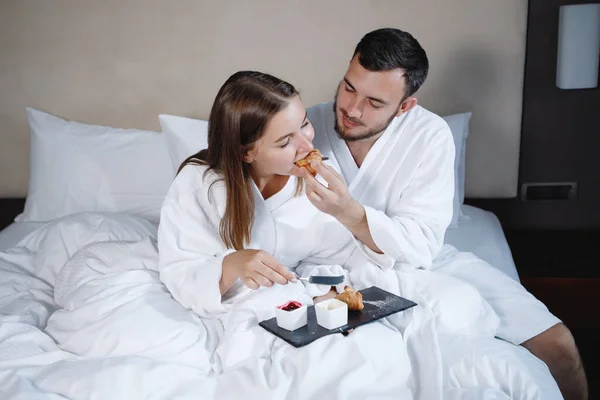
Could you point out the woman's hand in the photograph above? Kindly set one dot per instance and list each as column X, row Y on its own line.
column 255, row 268
column 329, row 295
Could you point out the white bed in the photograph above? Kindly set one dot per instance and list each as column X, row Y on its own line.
column 83, row 314
column 12, row 234
column 479, row 232
column 81, row 300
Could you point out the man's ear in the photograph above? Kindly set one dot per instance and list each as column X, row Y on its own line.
column 406, row 105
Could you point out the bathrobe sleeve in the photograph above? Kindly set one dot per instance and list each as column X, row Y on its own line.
column 191, row 251
column 412, row 229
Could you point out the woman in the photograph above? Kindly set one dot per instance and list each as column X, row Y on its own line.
column 236, row 225
column 235, row 217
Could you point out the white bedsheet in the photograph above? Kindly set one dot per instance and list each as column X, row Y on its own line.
column 12, row 234
column 479, row 232
column 83, row 315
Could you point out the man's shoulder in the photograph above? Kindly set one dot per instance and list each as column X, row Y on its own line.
column 427, row 119
column 326, row 105
column 321, row 117
column 429, row 126
column 320, row 110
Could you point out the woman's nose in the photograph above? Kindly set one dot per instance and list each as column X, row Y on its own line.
column 306, row 145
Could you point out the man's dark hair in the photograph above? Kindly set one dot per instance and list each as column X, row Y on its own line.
column 388, row 49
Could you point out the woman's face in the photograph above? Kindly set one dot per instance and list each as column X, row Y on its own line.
column 287, row 139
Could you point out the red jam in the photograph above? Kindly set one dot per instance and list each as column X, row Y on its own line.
column 290, row 306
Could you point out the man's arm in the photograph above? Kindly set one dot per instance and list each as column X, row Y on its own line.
column 412, row 228
column 354, row 219
column 336, row 201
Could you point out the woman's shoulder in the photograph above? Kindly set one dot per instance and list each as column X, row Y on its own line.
column 194, row 180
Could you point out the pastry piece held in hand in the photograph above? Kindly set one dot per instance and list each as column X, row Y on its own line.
column 314, row 155
column 352, row 298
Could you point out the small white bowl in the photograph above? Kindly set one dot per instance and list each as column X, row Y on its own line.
column 291, row 320
column 331, row 313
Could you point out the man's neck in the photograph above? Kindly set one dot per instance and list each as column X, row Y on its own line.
column 361, row 148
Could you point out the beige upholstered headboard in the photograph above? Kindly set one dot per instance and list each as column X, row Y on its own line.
column 122, row 62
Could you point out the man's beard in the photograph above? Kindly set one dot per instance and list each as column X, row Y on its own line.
column 365, row 135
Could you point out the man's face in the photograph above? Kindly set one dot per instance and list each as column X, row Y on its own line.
column 366, row 101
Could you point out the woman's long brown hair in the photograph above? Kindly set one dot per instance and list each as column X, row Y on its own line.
column 239, row 116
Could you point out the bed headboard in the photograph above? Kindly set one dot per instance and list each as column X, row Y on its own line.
column 121, row 63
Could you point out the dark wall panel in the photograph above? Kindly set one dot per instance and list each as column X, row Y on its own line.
column 560, row 138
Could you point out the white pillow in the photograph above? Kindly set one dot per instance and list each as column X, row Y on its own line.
column 459, row 125
column 76, row 167
column 185, row 136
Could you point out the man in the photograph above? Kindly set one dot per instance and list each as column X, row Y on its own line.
column 397, row 159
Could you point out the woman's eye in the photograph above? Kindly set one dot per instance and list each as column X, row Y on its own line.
column 349, row 89
column 304, row 125
column 286, row 143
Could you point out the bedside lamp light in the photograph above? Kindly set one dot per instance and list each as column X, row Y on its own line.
column 578, row 46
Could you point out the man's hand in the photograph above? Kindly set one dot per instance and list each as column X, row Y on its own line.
column 335, row 199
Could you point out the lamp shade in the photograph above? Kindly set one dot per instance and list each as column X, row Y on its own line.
column 578, row 46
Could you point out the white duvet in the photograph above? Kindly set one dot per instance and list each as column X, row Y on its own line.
column 83, row 315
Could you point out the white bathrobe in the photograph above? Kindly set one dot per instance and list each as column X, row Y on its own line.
column 286, row 226
column 305, row 240
column 406, row 185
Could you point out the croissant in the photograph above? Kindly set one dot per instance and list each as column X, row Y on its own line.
column 352, row 298
column 314, row 155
